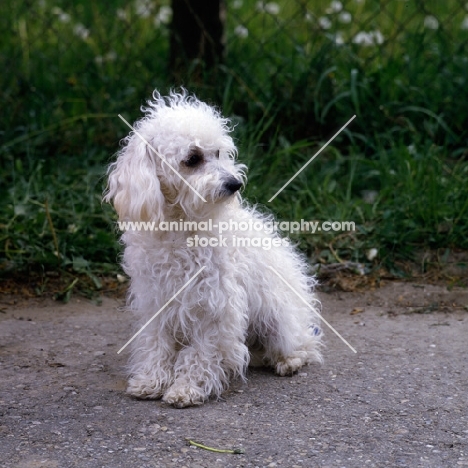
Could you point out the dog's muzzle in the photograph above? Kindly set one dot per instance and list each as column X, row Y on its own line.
column 231, row 186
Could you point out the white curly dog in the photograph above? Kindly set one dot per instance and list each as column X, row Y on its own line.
column 250, row 305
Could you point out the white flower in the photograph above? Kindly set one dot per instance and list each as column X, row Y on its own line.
column 431, row 22
column 335, row 7
column 122, row 14
column 99, row 59
column 378, row 37
column 80, row 31
column 363, row 38
column 345, row 17
column 325, row 23
column 368, row 38
column 371, row 254
column 164, row 15
column 241, row 31
column 464, row 24
column 339, row 38
column 309, row 17
column 272, row 8
column 236, row 4
column 64, row 17
column 143, row 8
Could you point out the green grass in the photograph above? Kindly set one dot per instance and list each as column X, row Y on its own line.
column 54, row 216
column 71, row 67
column 419, row 198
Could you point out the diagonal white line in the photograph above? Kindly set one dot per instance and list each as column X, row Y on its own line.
column 312, row 158
column 161, row 157
column 160, row 310
column 312, row 309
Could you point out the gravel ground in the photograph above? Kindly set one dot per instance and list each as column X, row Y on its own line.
column 401, row 401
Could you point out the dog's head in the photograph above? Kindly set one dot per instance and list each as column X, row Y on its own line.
column 180, row 160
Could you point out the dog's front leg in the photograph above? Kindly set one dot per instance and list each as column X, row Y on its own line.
column 151, row 364
column 195, row 373
column 203, row 368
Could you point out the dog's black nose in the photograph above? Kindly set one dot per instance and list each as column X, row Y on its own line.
column 232, row 185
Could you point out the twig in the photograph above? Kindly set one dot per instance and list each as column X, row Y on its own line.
column 235, row 451
column 332, row 250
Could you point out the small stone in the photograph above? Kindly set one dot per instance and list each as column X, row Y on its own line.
column 121, row 279
column 401, row 430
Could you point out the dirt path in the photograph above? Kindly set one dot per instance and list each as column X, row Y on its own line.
column 402, row 401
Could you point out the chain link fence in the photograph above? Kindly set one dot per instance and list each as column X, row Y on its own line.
column 70, row 67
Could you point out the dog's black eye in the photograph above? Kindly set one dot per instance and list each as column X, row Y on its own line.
column 217, row 154
column 194, row 159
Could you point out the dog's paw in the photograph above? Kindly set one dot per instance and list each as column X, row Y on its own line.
column 289, row 365
column 181, row 396
column 145, row 388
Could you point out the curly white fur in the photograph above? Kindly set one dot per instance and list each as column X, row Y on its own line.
column 237, row 311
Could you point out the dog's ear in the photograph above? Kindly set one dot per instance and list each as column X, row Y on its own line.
column 133, row 185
